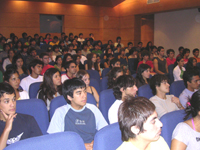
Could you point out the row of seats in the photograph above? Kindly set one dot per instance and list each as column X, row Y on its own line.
column 108, row 138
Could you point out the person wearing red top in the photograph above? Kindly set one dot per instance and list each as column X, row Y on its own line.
column 145, row 59
column 186, row 53
column 180, row 49
column 196, row 54
column 45, row 58
column 170, row 59
column 48, row 38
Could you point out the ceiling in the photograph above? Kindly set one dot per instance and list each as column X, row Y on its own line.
column 102, row 3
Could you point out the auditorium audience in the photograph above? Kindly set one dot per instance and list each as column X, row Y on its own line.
column 35, row 69
column 78, row 115
column 192, row 64
column 84, row 75
column 140, row 126
column 97, row 50
column 4, row 54
column 186, row 134
column 8, row 60
column 56, row 50
column 58, row 62
column 18, row 46
column 85, row 50
column 160, row 64
column 71, row 71
column 185, row 54
column 130, row 45
column 81, row 39
column 92, row 63
column 123, row 87
column 133, row 53
column 196, row 54
column 143, row 74
column 118, row 41
column 180, row 49
column 178, row 68
column 82, row 57
column 191, row 81
column 55, row 41
column 139, row 46
column 51, row 86
column 122, row 55
column 77, row 60
column 115, row 62
column 48, row 38
column 18, row 64
column 170, row 57
column 67, row 57
column 109, row 57
column 33, row 55
column 14, row 127
column 164, row 103
column 149, row 45
column 71, row 49
column 33, row 44
column 11, row 76
column 45, row 59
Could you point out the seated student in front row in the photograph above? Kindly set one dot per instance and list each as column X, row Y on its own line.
column 14, row 127
column 140, row 126
column 124, row 86
column 186, row 135
column 35, row 69
column 77, row 115
column 191, row 81
column 164, row 103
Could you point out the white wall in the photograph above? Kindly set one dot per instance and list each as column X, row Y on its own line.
column 177, row 28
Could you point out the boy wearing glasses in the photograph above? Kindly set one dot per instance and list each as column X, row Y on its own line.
column 164, row 103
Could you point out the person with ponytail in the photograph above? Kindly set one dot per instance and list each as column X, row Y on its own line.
column 186, row 135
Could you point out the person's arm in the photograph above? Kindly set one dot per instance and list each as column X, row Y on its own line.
column 177, row 102
column 178, row 145
column 99, row 70
column 155, row 63
column 176, row 74
column 89, row 146
column 7, row 129
column 86, row 66
column 96, row 95
column 166, row 66
column 106, row 65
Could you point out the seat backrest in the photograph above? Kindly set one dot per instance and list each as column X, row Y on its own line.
column 22, row 76
column 108, row 138
column 33, row 89
column 95, row 84
column 104, row 83
column 37, row 109
column 60, row 101
column 145, row 91
column 177, row 87
column 123, row 61
column 54, row 141
column 170, row 120
column 106, row 99
column 134, row 75
column 105, row 72
column 171, row 76
column 94, row 75
column 132, row 65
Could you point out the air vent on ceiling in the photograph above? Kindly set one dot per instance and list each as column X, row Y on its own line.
column 152, row 1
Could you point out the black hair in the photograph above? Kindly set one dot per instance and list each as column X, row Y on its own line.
column 188, row 75
column 4, row 46
column 113, row 61
column 69, row 86
column 196, row 49
column 124, row 82
column 44, row 54
column 129, row 43
column 140, row 43
column 63, row 33
column 132, row 50
column 24, row 34
column 47, row 35
column 141, row 69
column 65, row 37
column 159, row 48
column 112, row 76
column 185, row 50
column 134, row 112
column 64, row 59
column 170, row 50
column 190, row 65
column 55, row 46
column 145, row 53
column 67, row 64
column 57, row 57
column 33, row 63
column 156, row 81
column 6, row 88
column 118, row 38
column 177, row 60
column 80, row 34
column 180, row 48
column 36, row 34
column 14, row 60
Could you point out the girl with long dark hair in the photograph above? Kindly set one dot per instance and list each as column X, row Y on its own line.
column 143, row 74
column 179, row 69
column 92, row 63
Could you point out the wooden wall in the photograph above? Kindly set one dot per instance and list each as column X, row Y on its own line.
column 106, row 23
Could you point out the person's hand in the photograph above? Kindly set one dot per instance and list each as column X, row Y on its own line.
column 89, row 146
column 177, row 102
column 9, row 120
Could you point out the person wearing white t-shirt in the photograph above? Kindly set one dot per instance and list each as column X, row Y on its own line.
column 71, row 70
column 35, row 68
column 125, row 86
column 81, row 39
column 164, row 103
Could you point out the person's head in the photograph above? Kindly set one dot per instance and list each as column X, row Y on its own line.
column 99, row 43
column 24, row 35
column 2, row 40
column 79, row 52
column 108, row 51
column 91, row 35
column 149, row 44
column 145, row 55
column 29, row 39
column 125, row 85
column 159, row 83
column 179, row 61
column 92, row 57
column 192, row 62
column 143, row 72
column 45, row 58
column 62, row 35
column 85, row 46
column 18, row 44
column 110, row 42
column 170, row 53
column 17, row 61
column 55, row 39
column 33, row 41
column 71, row 46
column 74, row 92
column 113, row 75
column 58, row 60
column 14, row 39
column 96, row 46
column 161, row 51
column 56, row 48
column 191, row 79
column 25, row 48
column 122, row 51
column 12, row 35
column 41, row 39
column 80, row 35
column 138, row 119
column 11, row 53
column 66, row 38
column 77, row 59
column 186, row 52
column 133, row 51
column 61, row 44
column 196, row 52
column 180, row 49
column 71, row 35
column 70, row 67
column 36, row 66
column 7, row 99
column 154, row 49
column 64, row 51
column 119, row 46
column 67, row 57
column 98, row 59
column 47, row 36
column 74, row 42
column 84, row 75
column 140, row 44
column 115, row 62
column 88, row 42
column 6, row 47
column 130, row 45
column 33, row 52
column 11, row 76
column 118, row 39
column 193, row 106
column 36, row 36
column 52, row 78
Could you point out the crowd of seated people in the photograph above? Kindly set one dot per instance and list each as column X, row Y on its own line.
column 58, row 62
